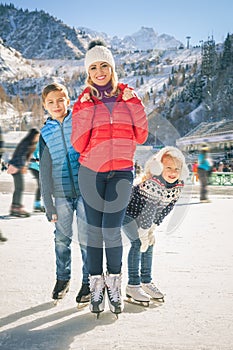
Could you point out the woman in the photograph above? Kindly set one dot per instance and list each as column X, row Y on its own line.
column 108, row 120
column 18, row 167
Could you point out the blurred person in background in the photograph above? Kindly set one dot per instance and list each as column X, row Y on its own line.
column 18, row 166
column 204, row 168
column 34, row 167
column 220, row 167
column 1, row 146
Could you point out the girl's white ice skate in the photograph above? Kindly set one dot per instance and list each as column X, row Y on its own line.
column 153, row 291
column 136, row 295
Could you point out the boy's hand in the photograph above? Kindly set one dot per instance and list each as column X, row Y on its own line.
column 51, row 216
column 54, row 218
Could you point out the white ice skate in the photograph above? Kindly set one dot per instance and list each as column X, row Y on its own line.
column 136, row 295
column 115, row 300
column 153, row 291
column 97, row 289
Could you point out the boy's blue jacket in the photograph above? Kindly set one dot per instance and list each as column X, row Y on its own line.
column 59, row 163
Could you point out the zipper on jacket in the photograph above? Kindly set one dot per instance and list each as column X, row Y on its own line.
column 68, row 161
column 111, row 123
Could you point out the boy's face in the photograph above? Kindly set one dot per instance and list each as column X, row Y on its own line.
column 56, row 104
column 171, row 169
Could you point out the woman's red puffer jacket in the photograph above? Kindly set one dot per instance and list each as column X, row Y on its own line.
column 107, row 140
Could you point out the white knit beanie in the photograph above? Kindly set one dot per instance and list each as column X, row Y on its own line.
column 99, row 53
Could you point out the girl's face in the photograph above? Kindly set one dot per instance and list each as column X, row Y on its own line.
column 56, row 103
column 171, row 168
column 100, row 73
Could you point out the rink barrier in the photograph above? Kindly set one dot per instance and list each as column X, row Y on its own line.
column 215, row 179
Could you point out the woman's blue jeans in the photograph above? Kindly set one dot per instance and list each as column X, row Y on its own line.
column 105, row 195
column 66, row 207
column 139, row 264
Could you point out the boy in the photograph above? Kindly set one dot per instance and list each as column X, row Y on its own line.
column 59, row 186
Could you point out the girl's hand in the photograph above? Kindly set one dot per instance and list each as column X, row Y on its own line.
column 128, row 94
column 86, row 97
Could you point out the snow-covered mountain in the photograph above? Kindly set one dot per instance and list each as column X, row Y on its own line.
column 38, row 35
column 147, row 39
column 13, row 66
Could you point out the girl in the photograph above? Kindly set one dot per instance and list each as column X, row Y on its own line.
column 108, row 120
column 150, row 202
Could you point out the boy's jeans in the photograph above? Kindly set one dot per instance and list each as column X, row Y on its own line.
column 65, row 208
column 135, row 257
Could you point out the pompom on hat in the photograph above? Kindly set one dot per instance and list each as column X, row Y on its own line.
column 155, row 167
column 97, row 51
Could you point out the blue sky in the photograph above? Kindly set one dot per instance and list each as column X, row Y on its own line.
column 198, row 19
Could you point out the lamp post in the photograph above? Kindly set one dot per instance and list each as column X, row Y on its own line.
column 188, row 38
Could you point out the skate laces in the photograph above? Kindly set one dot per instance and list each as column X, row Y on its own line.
column 152, row 287
column 96, row 288
column 113, row 285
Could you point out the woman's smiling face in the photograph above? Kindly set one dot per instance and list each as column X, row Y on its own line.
column 100, row 73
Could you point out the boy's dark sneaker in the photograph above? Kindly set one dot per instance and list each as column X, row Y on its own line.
column 60, row 289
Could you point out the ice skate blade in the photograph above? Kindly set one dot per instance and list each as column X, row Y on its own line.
column 82, row 305
column 137, row 302
column 116, row 314
column 58, row 300
column 97, row 313
column 159, row 300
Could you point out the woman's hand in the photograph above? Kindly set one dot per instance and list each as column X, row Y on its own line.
column 86, row 97
column 128, row 94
